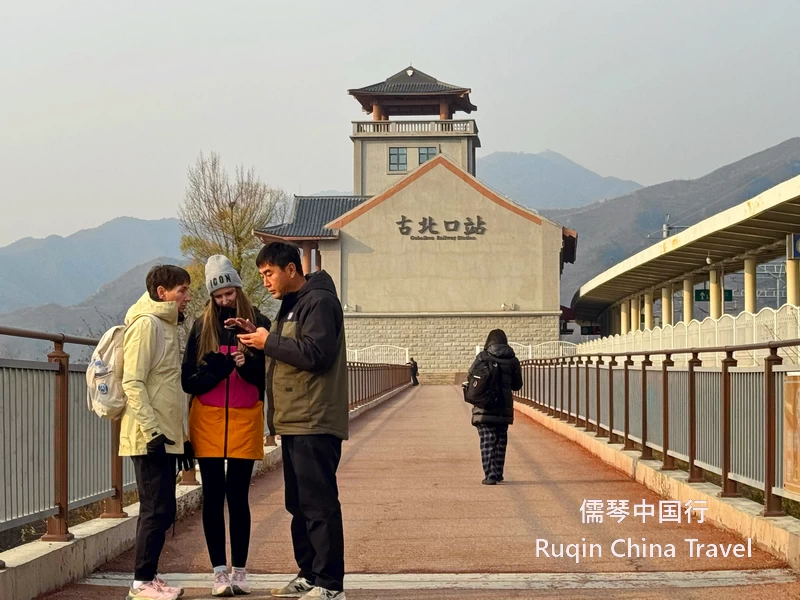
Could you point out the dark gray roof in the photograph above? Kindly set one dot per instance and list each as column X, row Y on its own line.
column 311, row 213
column 415, row 83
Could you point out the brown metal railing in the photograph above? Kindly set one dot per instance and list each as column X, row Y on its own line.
column 57, row 530
column 541, row 379
column 366, row 383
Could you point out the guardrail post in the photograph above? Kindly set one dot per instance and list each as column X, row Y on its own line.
column 588, row 392
column 647, row 452
column 612, row 437
column 562, row 363
column 550, row 386
column 57, row 529
column 546, row 387
column 668, row 462
column 599, row 428
column 627, row 416
column 113, row 505
column 772, row 502
column 362, row 384
column 695, row 473
column 189, row 478
column 578, row 419
column 570, row 418
column 729, row 486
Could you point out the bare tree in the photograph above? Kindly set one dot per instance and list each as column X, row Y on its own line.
column 219, row 215
column 96, row 326
column 12, row 353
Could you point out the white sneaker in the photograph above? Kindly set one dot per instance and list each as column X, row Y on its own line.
column 294, row 589
column 323, row 594
column 239, row 582
column 222, row 585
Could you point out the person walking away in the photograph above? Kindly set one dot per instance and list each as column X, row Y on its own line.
column 226, row 419
column 307, row 385
column 152, row 432
column 414, row 371
column 493, row 420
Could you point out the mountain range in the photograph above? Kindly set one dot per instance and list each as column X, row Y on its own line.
column 83, row 283
column 68, row 269
column 547, row 180
column 104, row 308
column 612, row 230
column 541, row 181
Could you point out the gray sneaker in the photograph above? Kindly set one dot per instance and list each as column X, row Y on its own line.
column 319, row 593
column 296, row 588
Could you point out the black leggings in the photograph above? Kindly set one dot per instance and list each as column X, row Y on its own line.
column 235, row 485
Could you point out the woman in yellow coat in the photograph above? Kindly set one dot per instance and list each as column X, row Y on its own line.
column 226, row 419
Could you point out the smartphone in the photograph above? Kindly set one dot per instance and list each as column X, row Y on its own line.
column 234, row 326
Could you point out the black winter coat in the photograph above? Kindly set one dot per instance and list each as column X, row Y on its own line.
column 501, row 413
column 197, row 380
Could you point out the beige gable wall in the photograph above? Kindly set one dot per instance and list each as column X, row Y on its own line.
column 515, row 262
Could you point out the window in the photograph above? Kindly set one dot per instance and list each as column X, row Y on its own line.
column 425, row 154
column 398, row 159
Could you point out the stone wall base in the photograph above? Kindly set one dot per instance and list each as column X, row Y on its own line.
column 443, row 344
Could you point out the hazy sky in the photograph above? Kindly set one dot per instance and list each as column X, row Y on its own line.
column 104, row 105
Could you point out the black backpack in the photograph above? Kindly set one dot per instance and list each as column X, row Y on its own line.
column 483, row 383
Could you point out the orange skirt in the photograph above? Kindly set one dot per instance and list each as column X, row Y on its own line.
column 245, row 430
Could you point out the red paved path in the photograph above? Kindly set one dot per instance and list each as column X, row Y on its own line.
column 413, row 503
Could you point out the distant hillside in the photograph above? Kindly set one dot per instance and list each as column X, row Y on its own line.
column 89, row 318
column 611, row 231
column 547, row 180
column 67, row 269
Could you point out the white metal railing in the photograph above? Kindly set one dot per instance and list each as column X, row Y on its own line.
column 745, row 328
column 459, row 127
column 543, row 350
column 384, row 354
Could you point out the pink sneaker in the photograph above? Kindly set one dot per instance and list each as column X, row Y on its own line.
column 151, row 590
column 168, row 588
column 222, row 585
column 239, row 582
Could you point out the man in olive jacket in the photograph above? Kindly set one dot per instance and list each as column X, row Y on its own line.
column 307, row 392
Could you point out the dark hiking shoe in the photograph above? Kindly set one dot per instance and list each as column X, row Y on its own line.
column 489, row 481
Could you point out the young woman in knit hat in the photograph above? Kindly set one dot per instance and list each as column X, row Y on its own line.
column 226, row 418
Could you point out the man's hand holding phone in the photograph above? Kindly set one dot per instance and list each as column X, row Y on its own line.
column 257, row 339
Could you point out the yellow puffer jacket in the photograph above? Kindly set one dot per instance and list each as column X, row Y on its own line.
column 155, row 401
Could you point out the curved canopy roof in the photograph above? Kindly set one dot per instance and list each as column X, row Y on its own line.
column 756, row 228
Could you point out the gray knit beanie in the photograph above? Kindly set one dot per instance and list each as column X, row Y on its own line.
column 221, row 274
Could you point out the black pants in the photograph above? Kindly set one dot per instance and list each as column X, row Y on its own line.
column 155, row 480
column 312, row 498
column 414, row 380
column 494, row 440
column 235, row 486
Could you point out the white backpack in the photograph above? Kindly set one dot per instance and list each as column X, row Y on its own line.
column 104, row 393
